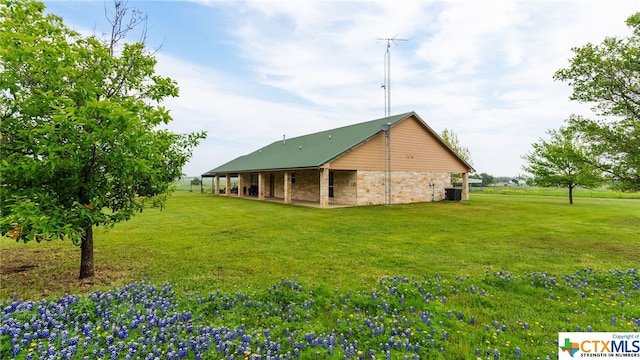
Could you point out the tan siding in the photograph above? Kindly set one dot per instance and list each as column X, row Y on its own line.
column 413, row 148
column 368, row 156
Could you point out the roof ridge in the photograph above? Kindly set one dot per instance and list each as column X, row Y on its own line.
column 396, row 117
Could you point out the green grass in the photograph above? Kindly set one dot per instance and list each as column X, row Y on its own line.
column 539, row 191
column 522, row 267
column 206, row 242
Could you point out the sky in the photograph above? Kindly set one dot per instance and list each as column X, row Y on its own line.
column 251, row 72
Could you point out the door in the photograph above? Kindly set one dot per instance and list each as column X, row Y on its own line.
column 330, row 184
column 272, row 183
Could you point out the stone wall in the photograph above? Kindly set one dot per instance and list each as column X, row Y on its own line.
column 306, row 186
column 358, row 187
column 371, row 187
column 406, row 187
column 345, row 188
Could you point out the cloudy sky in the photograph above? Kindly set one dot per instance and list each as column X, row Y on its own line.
column 250, row 72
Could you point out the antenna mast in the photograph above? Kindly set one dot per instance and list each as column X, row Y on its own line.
column 387, row 73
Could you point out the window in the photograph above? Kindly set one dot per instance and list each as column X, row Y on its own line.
column 293, row 178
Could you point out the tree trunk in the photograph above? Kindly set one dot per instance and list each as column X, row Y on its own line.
column 571, row 195
column 86, row 256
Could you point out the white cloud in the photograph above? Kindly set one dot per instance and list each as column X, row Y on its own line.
column 236, row 124
column 467, row 33
column 481, row 68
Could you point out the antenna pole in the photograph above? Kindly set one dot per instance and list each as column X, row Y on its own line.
column 388, row 77
column 387, row 73
column 387, row 146
column 384, row 85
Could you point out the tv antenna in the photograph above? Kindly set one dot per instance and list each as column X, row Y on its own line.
column 387, row 72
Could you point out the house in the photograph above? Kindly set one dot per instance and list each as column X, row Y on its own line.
column 392, row 160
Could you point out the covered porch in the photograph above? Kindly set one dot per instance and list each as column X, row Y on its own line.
column 325, row 188
column 300, row 186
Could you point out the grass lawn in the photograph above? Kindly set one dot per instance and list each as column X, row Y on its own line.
column 210, row 242
column 496, row 277
column 578, row 192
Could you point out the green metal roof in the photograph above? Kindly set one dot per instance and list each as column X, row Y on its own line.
column 308, row 151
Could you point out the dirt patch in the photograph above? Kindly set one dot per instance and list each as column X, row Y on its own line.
column 35, row 271
column 16, row 269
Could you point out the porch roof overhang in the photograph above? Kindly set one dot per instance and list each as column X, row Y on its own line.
column 238, row 172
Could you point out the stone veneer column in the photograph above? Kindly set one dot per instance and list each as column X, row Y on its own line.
column 216, row 185
column 465, row 186
column 227, row 190
column 324, row 187
column 287, row 187
column 240, row 185
column 261, row 185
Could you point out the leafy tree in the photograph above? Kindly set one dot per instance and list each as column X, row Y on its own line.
column 608, row 75
column 561, row 161
column 451, row 139
column 487, row 179
column 195, row 181
column 83, row 142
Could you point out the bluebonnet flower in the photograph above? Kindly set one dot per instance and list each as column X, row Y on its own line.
column 144, row 321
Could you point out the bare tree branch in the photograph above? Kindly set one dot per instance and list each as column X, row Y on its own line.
column 123, row 20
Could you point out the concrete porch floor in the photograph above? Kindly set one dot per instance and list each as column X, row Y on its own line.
column 293, row 202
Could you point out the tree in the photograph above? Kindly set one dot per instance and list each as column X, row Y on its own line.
column 195, row 181
column 487, row 179
column 608, row 75
column 83, row 137
column 451, row 139
column 561, row 161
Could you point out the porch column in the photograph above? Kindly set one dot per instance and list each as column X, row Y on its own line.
column 324, row 187
column 287, row 187
column 240, row 186
column 261, row 185
column 227, row 190
column 465, row 186
column 216, row 185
